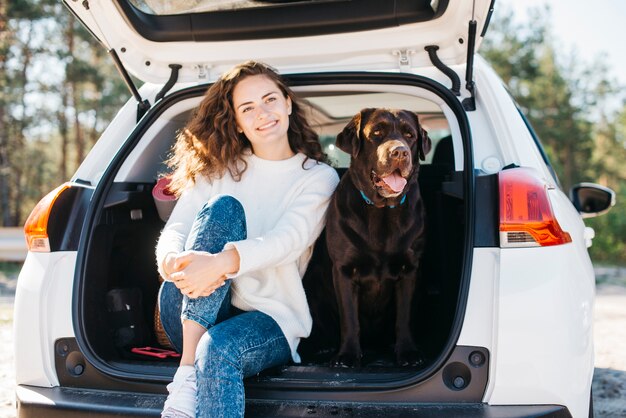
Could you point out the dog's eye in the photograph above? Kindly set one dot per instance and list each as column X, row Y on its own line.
column 408, row 135
column 376, row 132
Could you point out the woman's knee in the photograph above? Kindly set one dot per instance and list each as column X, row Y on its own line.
column 223, row 204
column 216, row 351
column 221, row 219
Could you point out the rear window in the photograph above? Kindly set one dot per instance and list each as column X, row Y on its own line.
column 162, row 7
column 220, row 20
column 328, row 114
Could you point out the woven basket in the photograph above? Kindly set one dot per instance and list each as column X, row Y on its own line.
column 158, row 326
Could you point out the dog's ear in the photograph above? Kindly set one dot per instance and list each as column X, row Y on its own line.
column 424, row 143
column 349, row 140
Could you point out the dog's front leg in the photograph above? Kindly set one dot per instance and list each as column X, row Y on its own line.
column 346, row 289
column 407, row 353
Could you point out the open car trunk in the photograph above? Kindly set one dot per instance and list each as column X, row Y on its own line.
column 117, row 277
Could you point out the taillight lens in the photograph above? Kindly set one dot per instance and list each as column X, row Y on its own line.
column 36, row 226
column 526, row 216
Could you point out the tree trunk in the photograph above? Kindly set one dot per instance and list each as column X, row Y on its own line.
column 4, row 138
column 78, row 132
column 74, row 88
column 63, row 132
column 27, row 55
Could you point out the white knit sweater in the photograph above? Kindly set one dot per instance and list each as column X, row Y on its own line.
column 285, row 207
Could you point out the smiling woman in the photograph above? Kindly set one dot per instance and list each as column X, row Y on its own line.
column 247, row 130
column 262, row 112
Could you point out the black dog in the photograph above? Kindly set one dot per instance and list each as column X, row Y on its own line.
column 375, row 232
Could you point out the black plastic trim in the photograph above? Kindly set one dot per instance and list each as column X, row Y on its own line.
column 356, row 78
column 35, row 402
column 280, row 20
column 66, row 217
column 488, row 19
column 454, row 77
column 170, row 82
column 539, row 145
column 487, row 212
column 74, row 370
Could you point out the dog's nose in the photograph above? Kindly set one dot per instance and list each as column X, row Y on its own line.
column 399, row 152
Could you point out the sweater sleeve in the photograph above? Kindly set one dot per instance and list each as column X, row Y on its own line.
column 176, row 230
column 296, row 230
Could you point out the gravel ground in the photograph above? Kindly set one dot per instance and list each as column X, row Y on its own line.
column 609, row 384
column 7, row 374
column 609, row 380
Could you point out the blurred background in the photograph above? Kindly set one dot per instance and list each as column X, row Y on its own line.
column 562, row 60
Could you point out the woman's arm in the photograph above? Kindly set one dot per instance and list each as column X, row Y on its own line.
column 296, row 230
column 174, row 234
column 198, row 273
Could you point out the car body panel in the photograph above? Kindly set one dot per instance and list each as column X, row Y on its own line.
column 531, row 308
column 482, row 301
column 111, row 140
column 43, row 313
column 149, row 60
column 538, row 356
column 511, row 138
column 68, row 403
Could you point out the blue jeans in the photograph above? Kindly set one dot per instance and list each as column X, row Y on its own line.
column 237, row 344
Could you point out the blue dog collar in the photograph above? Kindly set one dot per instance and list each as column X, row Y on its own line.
column 369, row 201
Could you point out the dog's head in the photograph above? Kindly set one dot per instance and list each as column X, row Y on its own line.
column 386, row 146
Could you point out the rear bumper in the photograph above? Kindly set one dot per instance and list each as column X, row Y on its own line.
column 68, row 403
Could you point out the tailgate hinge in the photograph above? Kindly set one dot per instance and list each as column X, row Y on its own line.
column 142, row 104
column 203, row 71
column 404, row 59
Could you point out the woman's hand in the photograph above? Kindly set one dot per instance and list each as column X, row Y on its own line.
column 198, row 273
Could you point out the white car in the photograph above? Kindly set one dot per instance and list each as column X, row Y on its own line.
column 505, row 321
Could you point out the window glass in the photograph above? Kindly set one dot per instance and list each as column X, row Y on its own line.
column 329, row 113
column 168, row 7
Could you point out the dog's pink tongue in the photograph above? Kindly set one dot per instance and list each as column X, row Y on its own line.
column 395, row 181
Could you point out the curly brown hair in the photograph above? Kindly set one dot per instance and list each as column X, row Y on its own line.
column 210, row 144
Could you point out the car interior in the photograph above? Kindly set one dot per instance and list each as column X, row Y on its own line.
column 122, row 282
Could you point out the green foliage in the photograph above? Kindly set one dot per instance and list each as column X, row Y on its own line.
column 58, row 91
column 609, row 245
column 567, row 106
column 42, row 114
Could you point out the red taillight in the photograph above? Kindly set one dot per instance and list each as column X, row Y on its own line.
column 36, row 226
column 526, row 216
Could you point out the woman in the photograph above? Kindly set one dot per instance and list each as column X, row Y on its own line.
column 253, row 195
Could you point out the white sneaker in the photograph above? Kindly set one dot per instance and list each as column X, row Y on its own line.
column 181, row 401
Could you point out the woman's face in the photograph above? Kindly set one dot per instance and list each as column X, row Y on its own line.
column 262, row 114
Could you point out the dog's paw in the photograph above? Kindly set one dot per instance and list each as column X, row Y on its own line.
column 346, row 360
column 410, row 358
